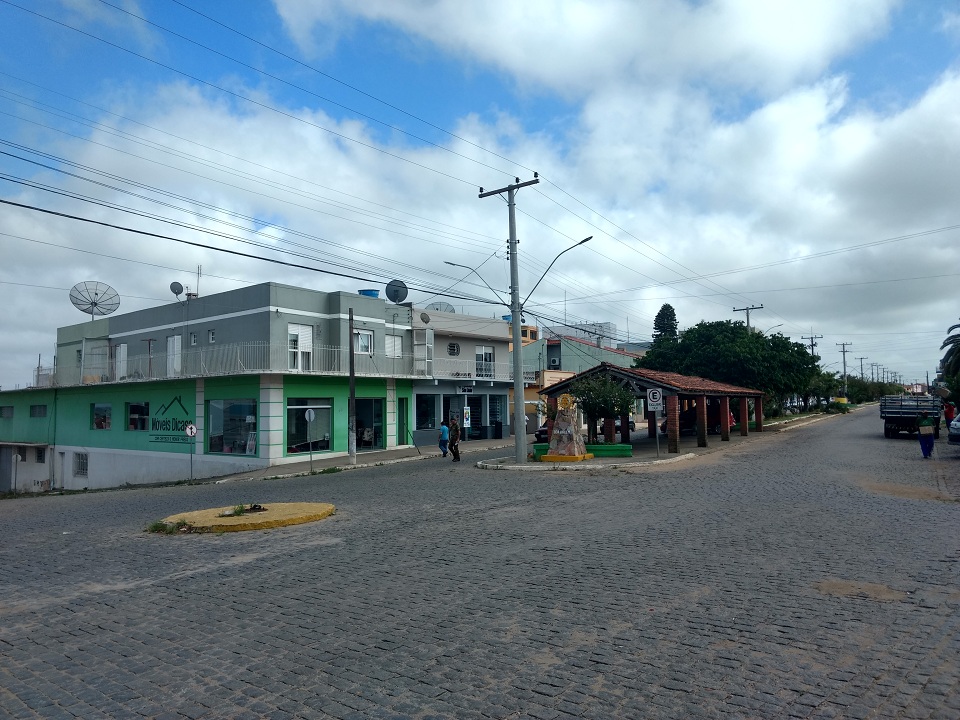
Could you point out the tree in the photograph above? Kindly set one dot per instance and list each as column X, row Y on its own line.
column 727, row 352
column 951, row 360
column 665, row 324
column 601, row 397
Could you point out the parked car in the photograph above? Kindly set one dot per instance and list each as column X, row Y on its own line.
column 542, row 434
column 633, row 425
column 953, row 432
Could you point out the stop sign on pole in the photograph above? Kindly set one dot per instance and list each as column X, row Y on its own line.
column 654, row 399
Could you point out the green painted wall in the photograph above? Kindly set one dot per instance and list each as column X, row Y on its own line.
column 23, row 428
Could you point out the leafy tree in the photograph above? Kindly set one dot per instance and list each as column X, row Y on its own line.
column 951, row 359
column 601, row 397
column 726, row 351
column 665, row 324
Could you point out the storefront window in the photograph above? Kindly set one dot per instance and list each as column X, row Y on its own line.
column 302, row 435
column 427, row 412
column 138, row 416
column 233, row 426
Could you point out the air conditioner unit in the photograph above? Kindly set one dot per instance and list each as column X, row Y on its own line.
column 554, row 362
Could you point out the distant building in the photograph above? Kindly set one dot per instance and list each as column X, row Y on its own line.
column 600, row 334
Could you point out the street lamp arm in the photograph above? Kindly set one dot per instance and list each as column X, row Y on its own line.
column 465, row 267
column 550, row 266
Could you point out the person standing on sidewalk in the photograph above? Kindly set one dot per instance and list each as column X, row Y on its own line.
column 926, row 428
column 455, row 438
column 444, row 437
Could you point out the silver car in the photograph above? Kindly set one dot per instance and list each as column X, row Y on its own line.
column 953, row 432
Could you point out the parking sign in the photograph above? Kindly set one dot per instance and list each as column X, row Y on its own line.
column 654, row 399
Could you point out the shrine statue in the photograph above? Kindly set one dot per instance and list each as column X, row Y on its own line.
column 566, row 439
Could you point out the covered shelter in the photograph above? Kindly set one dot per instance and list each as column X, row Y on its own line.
column 688, row 401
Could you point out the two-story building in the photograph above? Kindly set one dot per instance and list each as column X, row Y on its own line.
column 261, row 373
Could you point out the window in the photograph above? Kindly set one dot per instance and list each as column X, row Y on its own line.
column 363, row 341
column 211, row 336
column 174, row 355
column 484, row 361
column 138, row 416
column 232, row 426
column 394, row 346
column 193, row 338
column 304, row 436
column 533, row 333
column 427, row 412
column 80, row 461
column 79, row 358
column 453, row 349
column 300, row 346
column 524, row 332
column 6, row 411
column 41, row 455
column 38, row 411
column 100, row 416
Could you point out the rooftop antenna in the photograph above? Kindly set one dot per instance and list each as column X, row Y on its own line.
column 94, row 297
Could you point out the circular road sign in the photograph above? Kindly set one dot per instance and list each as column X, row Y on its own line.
column 655, row 396
column 309, row 415
column 190, row 430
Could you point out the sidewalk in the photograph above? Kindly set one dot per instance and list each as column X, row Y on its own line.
column 644, row 453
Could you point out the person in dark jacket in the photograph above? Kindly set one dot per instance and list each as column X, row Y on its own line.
column 455, row 439
column 926, row 428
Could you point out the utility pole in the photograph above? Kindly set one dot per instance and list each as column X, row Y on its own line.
column 861, row 366
column 843, row 349
column 873, row 372
column 352, row 401
column 812, row 338
column 519, row 417
column 747, row 310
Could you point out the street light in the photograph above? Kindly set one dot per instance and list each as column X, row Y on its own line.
column 466, row 267
column 773, row 328
column 516, row 316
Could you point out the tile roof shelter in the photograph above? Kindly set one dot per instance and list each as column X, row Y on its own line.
column 689, row 401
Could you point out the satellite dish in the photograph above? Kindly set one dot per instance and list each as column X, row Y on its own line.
column 94, row 297
column 442, row 306
column 424, row 318
column 176, row 288
column 396, row 291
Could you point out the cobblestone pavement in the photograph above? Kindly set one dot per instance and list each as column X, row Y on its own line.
column 808, row 574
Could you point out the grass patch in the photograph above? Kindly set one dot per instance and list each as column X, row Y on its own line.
column 174, row 528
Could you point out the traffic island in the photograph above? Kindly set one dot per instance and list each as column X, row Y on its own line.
column 233, row 519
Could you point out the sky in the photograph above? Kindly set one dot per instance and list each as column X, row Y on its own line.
column 799, row 156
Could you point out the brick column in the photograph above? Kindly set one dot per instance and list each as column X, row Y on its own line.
column 725, row 418
column 673, row 424
column 744, row 416
column 701, row 420
column 758, row 413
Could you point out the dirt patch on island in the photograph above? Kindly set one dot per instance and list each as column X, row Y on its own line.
column 863, row 590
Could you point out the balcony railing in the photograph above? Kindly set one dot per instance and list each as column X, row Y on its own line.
column 242, row 358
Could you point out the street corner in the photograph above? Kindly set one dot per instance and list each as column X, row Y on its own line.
column 245, row 517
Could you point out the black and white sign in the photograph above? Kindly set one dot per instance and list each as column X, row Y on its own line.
column 309, row 415
column 654, row 399
column 466, row 389
column 190, row 430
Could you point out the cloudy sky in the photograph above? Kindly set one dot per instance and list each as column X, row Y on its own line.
column 803, row 156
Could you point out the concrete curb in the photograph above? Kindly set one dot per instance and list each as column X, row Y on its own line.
column 501, row 464
column 276, row 515
column 358, row 466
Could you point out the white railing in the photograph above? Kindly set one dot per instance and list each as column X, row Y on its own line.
column 260, row 357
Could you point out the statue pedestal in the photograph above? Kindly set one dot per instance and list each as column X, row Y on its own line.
column 566, row 442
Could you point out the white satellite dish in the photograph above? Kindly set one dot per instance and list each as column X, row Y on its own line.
column 94, row 297
column 442, row 306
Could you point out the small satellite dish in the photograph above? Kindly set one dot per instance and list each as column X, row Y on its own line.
column 424, row 318
column 94, row 297
column 176, row 288
column 396, row 291
column 442, row 306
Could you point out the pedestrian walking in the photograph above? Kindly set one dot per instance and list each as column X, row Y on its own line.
column 455, row 439
column 949, row 412
column 926, row 431
column 444, row 437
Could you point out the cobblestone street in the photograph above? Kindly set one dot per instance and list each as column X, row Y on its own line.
column 813, row 573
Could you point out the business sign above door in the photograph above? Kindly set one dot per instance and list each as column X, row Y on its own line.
column 466, row 389
column 170, row 423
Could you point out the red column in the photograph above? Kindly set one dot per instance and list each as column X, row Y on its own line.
column 758, row 413
column 725, row 418
column 744, row 416
column 701, row 420
column 673, row 424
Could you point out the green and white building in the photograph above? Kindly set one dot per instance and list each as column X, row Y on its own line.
column 244, row 367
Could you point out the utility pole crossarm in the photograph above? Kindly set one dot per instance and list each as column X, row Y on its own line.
column 747, row 310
